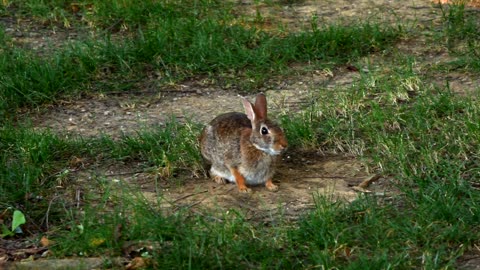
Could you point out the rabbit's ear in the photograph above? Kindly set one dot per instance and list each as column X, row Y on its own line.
column 249, row 109
column 261, row 106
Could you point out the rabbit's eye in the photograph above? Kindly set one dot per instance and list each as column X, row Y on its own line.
column 264, row 130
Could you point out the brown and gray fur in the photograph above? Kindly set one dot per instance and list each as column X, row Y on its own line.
column 237, row 150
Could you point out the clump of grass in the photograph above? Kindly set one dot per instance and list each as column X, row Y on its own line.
column 430, row 229
column 460, row 31
column 456, row 24
column 181, row 240
column 35, row 162
column 26, row 156
column 29, row 80
column 170, row 148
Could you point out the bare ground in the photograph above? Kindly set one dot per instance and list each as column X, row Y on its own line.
column 300, row 178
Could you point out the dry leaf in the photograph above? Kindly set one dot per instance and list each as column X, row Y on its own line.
column 45, row 242
column 75, row 7
column 95, row 242
column 137, row 263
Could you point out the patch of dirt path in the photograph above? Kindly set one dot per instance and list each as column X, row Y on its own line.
column 301, row 177
column 299, row 182
column 298, row 14
column 115, row 115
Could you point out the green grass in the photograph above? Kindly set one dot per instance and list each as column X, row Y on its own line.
column 36, row 162
column 423, row 137
column 461, row 34
column 430, row 146
column 211, row 46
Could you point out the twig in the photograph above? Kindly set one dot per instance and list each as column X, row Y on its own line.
column 321, row 176
column 365, row 183
column 123, row 173
column 189, row 195
column 113, row 25
column 177, row 91
column 192, row 205
column 48, row 211
column 153, row 91
column 77, row 197
column 200, row 214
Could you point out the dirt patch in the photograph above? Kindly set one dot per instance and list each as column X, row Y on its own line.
column 38, row 37
column 114, row 114
column 301, row 177
column 334, row 177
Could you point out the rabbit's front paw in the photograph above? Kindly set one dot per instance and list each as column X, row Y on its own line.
column 271, row 186
column 244, row 189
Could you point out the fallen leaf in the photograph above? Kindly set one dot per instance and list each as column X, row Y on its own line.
column 95, row 242
column 75, row 7
column 352, row 68
column 18, row 219
column 45, row 242
column 138, row 263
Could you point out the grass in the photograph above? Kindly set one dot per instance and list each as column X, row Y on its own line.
column 36, row 162
column 460, row 32
column 210, row 46
column 426, row 138
column 432, row 151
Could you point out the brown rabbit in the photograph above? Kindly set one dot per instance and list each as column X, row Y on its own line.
column 243, row 148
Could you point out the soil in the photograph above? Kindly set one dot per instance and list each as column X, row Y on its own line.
column 302, row 175
column 300, row 179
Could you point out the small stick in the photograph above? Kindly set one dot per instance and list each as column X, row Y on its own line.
column 48, row 211
column 189, row 195
column 77, row 197
column 365, row 183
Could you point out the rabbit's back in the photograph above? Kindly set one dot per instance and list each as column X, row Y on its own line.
column 220, row 139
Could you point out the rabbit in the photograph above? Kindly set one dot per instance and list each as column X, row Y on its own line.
column 243, row 148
